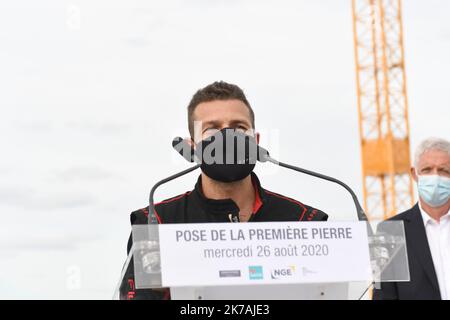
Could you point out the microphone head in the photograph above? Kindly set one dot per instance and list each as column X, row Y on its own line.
column 263, row 154
column 185, row 149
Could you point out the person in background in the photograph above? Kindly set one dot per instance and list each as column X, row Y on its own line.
column 427, row 229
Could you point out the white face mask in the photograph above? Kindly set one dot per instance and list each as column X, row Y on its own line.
column 434, row 189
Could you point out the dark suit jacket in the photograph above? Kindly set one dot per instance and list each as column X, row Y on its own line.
column 423, row 284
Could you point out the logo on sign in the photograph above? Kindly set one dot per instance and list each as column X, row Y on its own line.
column 281, row 273
column 307, row 272
column 255, row 273
column 229, row 273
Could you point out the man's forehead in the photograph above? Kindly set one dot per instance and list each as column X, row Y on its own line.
column 222, row 110
column 223, row 119
column 434, row 157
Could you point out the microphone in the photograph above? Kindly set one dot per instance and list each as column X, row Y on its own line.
column 263, row 154
column 185, row 149
column 180, row 145
column 359, row 210
column 187, row 152
column 265, row 157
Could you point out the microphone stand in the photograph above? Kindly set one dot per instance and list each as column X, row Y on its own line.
column 151, row 208
column 359, row 210
column 263, row 156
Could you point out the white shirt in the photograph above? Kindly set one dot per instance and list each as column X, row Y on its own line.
column 438, row 234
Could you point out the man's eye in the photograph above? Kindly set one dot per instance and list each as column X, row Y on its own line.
column 210, row 131
column 241, row 129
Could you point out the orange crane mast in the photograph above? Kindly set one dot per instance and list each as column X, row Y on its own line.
column 382, row 107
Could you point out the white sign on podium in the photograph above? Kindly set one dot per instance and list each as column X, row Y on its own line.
column 201, row 255
column 268, row 260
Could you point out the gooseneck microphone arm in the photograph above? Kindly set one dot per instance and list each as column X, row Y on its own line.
column 359, row 210
column 151, row 208
column 263, row 156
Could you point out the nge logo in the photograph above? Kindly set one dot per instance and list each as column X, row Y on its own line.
column 283, row 272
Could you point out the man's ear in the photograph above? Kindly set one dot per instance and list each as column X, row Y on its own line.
column 257, row 136
column 414, row 174
column 190, row 141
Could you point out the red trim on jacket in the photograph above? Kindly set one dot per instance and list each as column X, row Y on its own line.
column 145, row 210
column 258, row 202
column 166, row 295
column 290, row 200
column 132, row 292
column 312, row 214
column 173, row 199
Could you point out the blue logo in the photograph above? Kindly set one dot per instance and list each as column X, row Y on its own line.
column 255, row 273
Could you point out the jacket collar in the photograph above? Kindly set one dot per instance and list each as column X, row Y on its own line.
column 227, row 206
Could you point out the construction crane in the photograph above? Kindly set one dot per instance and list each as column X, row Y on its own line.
column 382, row 106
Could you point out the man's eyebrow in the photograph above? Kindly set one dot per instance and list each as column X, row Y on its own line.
column 232, row 122
column 211, row 122
column 246, row 122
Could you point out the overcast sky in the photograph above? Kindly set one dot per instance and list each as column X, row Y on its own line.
column 92, row 93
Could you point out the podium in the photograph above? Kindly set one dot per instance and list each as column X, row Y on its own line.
column 267, row 260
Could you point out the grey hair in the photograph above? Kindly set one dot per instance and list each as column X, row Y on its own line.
column 431, row 144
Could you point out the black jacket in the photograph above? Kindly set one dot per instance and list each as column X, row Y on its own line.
column 193, row 207
column 423, row 284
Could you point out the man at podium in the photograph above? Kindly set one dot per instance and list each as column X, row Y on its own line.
column 224, row 192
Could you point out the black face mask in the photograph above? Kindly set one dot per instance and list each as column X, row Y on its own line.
column 228, row 155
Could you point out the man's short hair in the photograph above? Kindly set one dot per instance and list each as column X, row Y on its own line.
column 431, row 144
column 218, row 90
